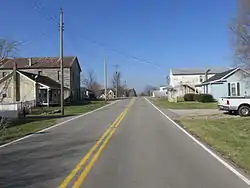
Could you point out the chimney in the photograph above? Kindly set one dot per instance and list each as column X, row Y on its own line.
column 14, row 65
column 14, row 81
column 30, row 62
column 206, row 74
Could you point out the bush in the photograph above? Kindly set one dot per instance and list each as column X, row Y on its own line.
column 204, row 98
column 180, row 99
column 189, row 97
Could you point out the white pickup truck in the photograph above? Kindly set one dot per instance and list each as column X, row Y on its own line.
column 240, row 105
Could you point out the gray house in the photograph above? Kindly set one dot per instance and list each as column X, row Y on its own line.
column 48, row 67
column 234, row 82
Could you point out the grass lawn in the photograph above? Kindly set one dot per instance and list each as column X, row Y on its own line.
column 228, row 136
column 79, row 109
column 38, row 121
column 69, row 110
column 14, row 132
column 164, row 103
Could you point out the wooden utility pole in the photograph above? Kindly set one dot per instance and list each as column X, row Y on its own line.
column 61, row 61
column 105, row 79
column 116, row 73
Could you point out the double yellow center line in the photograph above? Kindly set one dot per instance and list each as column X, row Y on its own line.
column 95, row 152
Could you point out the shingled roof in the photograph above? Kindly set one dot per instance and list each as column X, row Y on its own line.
column 197, row 71
column 219, row 76
column 42, row 80
column 38, row 62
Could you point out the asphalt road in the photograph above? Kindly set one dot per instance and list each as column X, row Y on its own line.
column 145, row 151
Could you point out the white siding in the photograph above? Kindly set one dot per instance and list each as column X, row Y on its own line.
column 191, row 80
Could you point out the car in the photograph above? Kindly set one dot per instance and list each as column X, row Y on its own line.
column 239, row 105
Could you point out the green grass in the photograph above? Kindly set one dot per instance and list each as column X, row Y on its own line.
column 228, row 136
column 164, row 103
column 14, row 132
column 79, row 109
column 38, row 121
column 68, row 110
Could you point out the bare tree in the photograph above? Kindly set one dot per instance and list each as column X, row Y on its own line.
column 8, row 48
column 90, row 82
column 116, row 82
column 240, row 29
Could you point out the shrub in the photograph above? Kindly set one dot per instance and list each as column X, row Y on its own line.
column 180, row 99
column 189, row 97
column 197, row 97
column 204, row 98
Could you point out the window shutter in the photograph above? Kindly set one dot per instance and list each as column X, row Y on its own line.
column 229, row 90
column 238, row 89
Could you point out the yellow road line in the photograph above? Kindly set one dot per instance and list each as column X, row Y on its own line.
column 86, row 157
column 68, row 179
column 84, row 174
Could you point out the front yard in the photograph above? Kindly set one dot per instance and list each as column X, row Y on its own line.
column 42, row 118
column 164, row 103
column 228, row 136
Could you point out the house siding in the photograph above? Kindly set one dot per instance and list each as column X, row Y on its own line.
column 221, row 90
column 71, row 78
column 23, row 90
column 244, row 79
column 218, row 90
column 191, row 80
column 8, row 91
column 75, row 80
column 27, row 89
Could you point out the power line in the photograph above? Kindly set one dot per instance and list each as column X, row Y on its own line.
column 38, row 7
column 120, row 52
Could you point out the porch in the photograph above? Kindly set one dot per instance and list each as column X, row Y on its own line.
column 48, row 97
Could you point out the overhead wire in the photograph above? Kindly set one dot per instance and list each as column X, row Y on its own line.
column 38, row 7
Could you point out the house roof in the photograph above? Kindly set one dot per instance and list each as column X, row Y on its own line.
column 38, row 62
column 102, row 91
column 219, row 76
column 42, row 80
column 191, row 71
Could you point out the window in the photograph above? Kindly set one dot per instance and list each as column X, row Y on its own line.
column 58, row 75
column 201, row 79
column 234, row 89
column 238, row 89
column 40, row 73
column 3, row 74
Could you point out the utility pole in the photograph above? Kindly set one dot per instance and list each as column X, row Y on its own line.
column 61, row 61
column 105, row 79
column 116, row 73
column 125, row 88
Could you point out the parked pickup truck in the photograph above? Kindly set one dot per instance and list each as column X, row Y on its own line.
column 240, row 105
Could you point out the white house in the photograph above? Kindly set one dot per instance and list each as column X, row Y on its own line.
column 187, row 80
column 161, row 92
column 110, row 94
column 191, row 76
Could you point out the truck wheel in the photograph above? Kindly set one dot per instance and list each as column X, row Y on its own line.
column 232, row 112
column 244, row 111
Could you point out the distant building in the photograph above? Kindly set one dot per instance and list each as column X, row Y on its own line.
column 189, row 77
column 19, row 86
column 187, row 80
column 48, row 67
column 110, row 94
